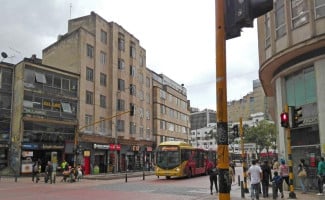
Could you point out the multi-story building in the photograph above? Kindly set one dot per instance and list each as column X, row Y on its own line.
column 200, row 119
column 113, row 78
column 6, row 77
column 170, row 110
column 253, row 102
column 205, row 137
column 292, row 59
column 44, row 114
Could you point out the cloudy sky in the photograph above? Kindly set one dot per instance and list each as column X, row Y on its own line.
column 178, row 35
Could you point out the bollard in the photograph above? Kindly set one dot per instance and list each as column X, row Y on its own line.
column 242, row 189
column 143, row 175
column 238, row 180
column 126, row 177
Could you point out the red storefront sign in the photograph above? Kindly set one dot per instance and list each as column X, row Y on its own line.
column 115, row 147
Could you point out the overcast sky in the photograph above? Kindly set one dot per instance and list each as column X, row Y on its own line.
column 178, row 36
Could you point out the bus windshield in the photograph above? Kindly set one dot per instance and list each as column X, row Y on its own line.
column 168, row 157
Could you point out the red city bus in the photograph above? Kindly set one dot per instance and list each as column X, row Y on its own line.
column 180, row 159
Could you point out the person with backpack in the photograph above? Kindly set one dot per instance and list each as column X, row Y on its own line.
column 277, row 185
column 213, row 176
column 321, row 175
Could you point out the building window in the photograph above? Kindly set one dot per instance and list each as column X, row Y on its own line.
column 133, row 128
column 148, row 82
column 299, row 11
column 141, row 131
column 88, row 123
column 89, row 97
column 120, row 64
column 103, row 80
column 120, row 125
column 102, row 101
column 57, row 82
column 280, row 26
column 121, row 42
column 103, row 37
column 133, row 90
column 132, row 71
column 90, row 51
column 319, row 8
column 103, row 58
column 301, row 87
column 120, row 105
column 267, row 30
column 40, row 78
column 132, row 50
column 89, row 74
column 65, row 84
column 120, row 85
column 102, row 125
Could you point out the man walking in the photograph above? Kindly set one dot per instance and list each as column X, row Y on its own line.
column 321, row 175
column 255, row 175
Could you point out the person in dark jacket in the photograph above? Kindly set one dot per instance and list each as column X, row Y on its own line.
column 48, row 172
column 267, row 177
column 213, row 176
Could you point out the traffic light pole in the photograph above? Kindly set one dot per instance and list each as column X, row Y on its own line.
column 221, row 91
column 243, row 154
column 292, row 194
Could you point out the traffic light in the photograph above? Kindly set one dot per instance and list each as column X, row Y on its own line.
column 235, row 130
column 132, row 110
column 241, row 13
column 296, row 116
column 284, row 119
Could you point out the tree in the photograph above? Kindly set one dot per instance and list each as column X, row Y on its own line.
column 263, row 134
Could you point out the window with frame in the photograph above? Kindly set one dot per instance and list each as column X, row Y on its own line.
column 132, row 50
column 49, row 79
column 133, row 90
column 267, row 26
column 57, row 82
column 130, row 107
column 133, row 128
column 121, row 42
column 148, row 98
column 280, row 26
column 120, row 125
column 29, row 76
column 120, row 84
column 40, row 78
column 120, row 105
column 141, row 131
column 89, row 74
column 89, row 97
column 299, row 12
column 148, row 82
column 132, row 71
column 103, row 80
column 103, row 36
column 147, row 114
column 103, row 58
column 148, row 133
column 140, row 78
column 88, row 123
column 319, row 9
column 6, row 77
column 90, row 51
column 162, row 94
column 102, row 125
column 65, row 84
column 102, row 101
column 120, row 63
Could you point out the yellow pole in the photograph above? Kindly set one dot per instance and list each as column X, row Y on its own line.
column 243, row 156
column 292, row 194
column 221, row 91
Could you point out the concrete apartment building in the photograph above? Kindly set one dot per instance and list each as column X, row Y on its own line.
column 291, row 42
column 6, row 78
column 200, row 119
column 170, row 110
column 113, row 77
column 254, row 102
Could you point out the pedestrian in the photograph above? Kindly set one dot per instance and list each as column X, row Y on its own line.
column 321, row 175
column 64, row 165
column 49, row 172
column 35, row 172
column 213, row 176
column 277, row 185
column 255, row 175
column 231, row 176
column 302, row 174
column 284, row 172
column 267, row 177
column 276, row 165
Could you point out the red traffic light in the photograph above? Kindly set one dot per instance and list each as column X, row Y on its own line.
column 284, row 119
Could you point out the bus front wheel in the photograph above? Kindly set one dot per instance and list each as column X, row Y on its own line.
column 167, row 177
column 188, row 173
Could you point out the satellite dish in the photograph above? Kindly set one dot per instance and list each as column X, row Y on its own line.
column 4, row 55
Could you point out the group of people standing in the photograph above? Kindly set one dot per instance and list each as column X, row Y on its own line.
column 37, row 168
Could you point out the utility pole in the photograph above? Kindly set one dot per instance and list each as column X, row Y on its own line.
column 292, row 194
column 221, row 91
column 243, row 154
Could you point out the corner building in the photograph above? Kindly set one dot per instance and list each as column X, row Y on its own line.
column 113, row 77
column 292, row 71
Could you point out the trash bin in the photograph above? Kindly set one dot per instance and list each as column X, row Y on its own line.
column 96, row 169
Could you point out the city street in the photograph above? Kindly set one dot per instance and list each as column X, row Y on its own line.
column 115, row 186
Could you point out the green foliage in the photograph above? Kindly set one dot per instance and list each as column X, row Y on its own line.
column 263, row 134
